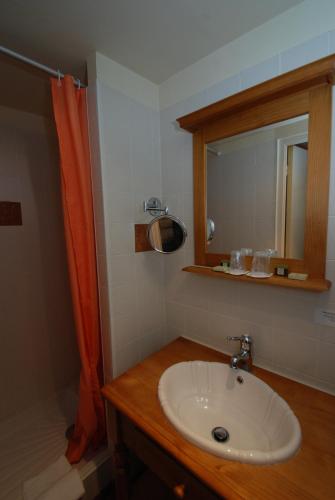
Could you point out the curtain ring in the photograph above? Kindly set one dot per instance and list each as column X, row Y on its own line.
column 79, row 84
column 59, row 83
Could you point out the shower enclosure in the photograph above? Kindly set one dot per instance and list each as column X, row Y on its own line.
column 39, row 361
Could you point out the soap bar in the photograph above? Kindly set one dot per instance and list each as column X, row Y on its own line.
column 220, row 269
column 298, row 276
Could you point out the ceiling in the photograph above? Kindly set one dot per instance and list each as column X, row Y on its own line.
column 154, row 38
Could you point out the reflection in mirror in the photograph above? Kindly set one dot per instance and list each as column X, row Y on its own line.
column 166, row 234
column 210, row 230
column 256, row 189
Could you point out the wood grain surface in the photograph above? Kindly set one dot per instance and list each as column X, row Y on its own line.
column 141, row 239
column 311, row 285
column 308, row 475
column 306, row 90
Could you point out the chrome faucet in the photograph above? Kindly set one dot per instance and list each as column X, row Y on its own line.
column 243, row 359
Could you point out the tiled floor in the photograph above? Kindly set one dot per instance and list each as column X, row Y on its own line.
column 35, row 438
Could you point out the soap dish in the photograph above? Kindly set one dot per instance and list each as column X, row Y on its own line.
column 237, row 272
column 258, row 274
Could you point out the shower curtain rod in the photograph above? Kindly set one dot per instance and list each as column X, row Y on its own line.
column 38, row 65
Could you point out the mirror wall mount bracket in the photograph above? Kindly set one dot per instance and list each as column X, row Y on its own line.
column 306, row 90
column 154, row 207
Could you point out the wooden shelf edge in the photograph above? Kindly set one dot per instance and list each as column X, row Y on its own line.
column 310, row 285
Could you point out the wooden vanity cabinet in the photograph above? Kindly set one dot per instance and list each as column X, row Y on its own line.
column 138, row 424
column 128, row 437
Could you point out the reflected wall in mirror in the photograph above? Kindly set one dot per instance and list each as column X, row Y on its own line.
column 256, row 189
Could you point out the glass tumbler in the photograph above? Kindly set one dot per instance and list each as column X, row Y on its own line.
column 246, row 251
column 260, row 264
column 271, row 252
column 237, row 262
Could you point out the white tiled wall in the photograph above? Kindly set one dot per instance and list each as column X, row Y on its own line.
column 242, row 186
column 146, row 298
column 126, row 131
column 281, row 321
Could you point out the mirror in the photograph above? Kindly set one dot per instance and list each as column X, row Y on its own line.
column 294, row 210
column 166, row 234
column 256, row 189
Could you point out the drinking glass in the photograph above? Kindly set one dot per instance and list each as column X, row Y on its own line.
column 237, row 262
column 260, row 264
column 246, row 251
column 271, row 252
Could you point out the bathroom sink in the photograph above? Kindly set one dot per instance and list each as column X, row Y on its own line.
column 230, row 413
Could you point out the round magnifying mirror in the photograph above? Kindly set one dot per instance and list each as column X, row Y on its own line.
column 166, row 234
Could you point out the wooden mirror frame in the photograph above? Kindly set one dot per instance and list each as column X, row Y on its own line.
column 306, row 90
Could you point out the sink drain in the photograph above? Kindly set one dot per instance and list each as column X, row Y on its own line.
column 220, row 434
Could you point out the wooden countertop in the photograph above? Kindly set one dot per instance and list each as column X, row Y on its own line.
column 308, row 475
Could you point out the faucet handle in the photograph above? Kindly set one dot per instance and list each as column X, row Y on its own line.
column 245, row 340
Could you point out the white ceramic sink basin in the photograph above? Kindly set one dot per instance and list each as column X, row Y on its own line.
column 198, row 396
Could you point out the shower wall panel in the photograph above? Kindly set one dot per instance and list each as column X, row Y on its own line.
column 38, row 353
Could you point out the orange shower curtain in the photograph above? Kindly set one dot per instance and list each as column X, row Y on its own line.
column 72, row 127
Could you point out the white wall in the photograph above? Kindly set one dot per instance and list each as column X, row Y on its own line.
column 295, row 37
column 38, row 354
column 281, row 321
column 126, row 132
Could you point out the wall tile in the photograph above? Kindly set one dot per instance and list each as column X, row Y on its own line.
column 331, row 238
column 123, row 300
column 331, row 35
column 125, row 330
column 122, row 238
column 196, row 321
column 122, row 270
column 121, row 207
column 219, row 328
column 263, row 343
column 131, row 169
column 281, row 321
column 157, row 161
column 294, row 352
column 151, row 343
column 222, row 89
column 175, row 316
column 150, row 270
column 304, row 53
column 260, row 73
column 327, row 333
column 126, row 357
column 173, row 333
column 195, row 291
column 175, row 202
column 328, row 298
column 192, row 103
column 224, row 298
column 188, row 206
column 325, row 369
column 149, row 313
